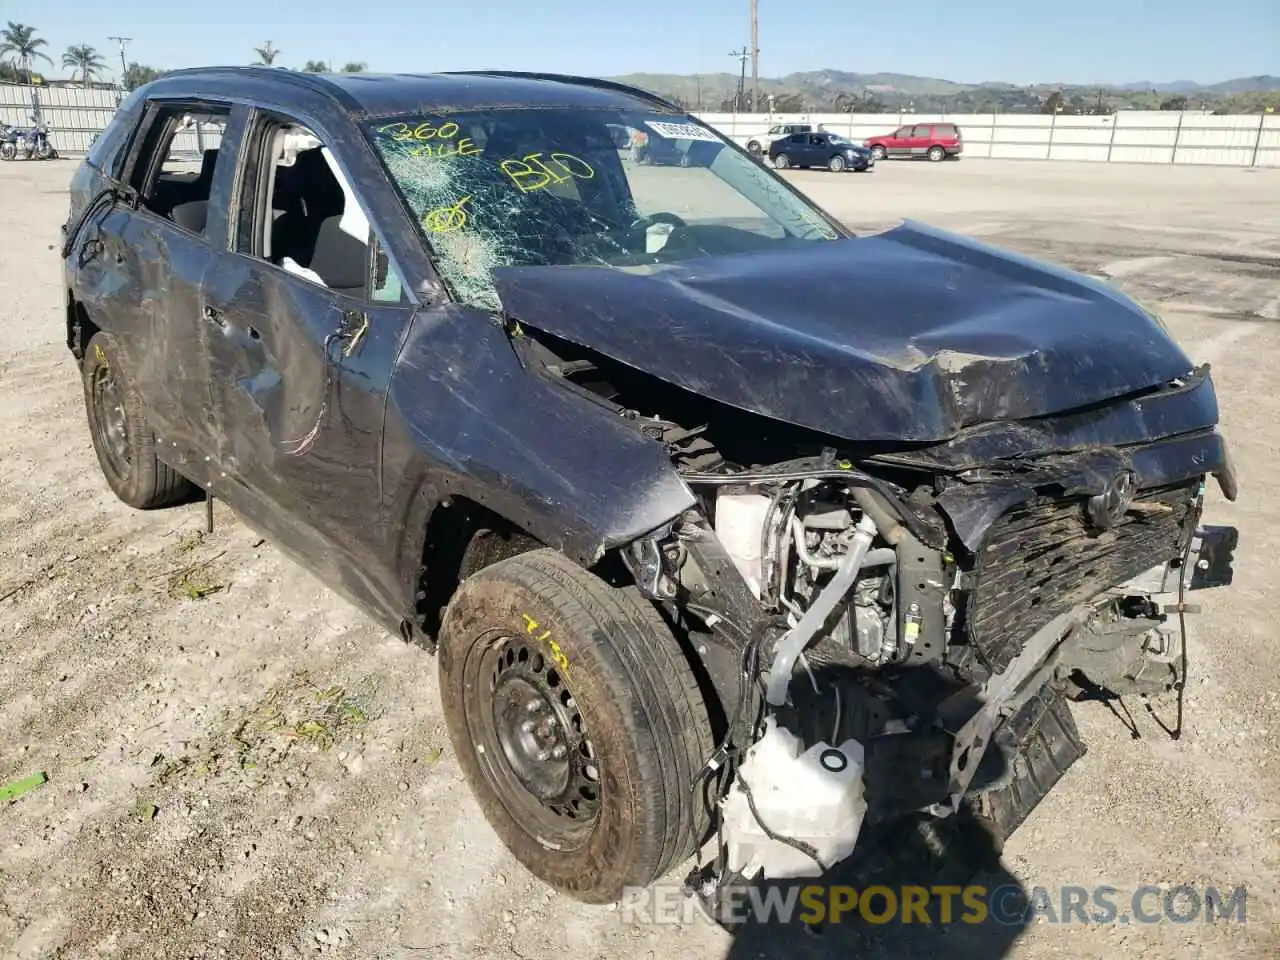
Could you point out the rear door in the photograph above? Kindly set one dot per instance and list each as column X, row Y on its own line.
column 920, row 140
column 163, row 247
column 302, row 331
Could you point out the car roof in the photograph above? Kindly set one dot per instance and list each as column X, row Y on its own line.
column 377, row 94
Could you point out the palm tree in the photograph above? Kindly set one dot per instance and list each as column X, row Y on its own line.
column 83, row 59
column 21, row 42
column 355, row 66
column 266, row 54
column 315, row 66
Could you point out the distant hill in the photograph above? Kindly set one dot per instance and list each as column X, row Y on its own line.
column 875, row 92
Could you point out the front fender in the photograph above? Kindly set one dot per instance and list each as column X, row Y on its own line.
column 466, row 418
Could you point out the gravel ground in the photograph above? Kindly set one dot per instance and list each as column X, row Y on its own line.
column 240, row 765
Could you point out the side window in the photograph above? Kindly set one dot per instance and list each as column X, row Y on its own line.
column 817, row 140
column 796, row 138
column 902, row 133
column 299, row 212
column 924, row 130
column 175, row 168
column 107, row 152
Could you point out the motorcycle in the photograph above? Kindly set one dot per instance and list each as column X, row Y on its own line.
column 36, row 145
column 9, row 138
column 33, row 143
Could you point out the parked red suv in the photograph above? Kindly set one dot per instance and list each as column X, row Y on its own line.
column 937, row 141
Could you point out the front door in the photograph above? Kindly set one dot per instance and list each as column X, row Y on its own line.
column 301, row 338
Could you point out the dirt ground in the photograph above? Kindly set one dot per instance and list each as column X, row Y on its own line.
column 240, row 765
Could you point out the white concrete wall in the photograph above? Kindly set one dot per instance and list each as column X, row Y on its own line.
column 1130, row 136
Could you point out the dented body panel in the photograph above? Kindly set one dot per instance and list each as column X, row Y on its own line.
column 944, row 332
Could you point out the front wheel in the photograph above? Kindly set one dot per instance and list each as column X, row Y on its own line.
column 878, row 152
column 937, row 153
column 8, row 150
column 754, row 148
column 836, row 165
column 578, row 724
column 781, row 162
column 124, row 443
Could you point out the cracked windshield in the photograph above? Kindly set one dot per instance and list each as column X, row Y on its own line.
column 504, row 188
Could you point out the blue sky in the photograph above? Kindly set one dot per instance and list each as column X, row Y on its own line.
column 1078, row 41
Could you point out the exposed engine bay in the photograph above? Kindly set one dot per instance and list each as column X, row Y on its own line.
column 885, row 636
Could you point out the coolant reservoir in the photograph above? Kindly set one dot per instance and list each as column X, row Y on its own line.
column 814, row 796
column 740, row 527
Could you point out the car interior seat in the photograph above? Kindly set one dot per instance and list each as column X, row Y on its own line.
column 308, row 231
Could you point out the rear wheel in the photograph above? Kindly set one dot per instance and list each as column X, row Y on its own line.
column 836, row 164
column 878, row 152
column 937, row 153
column 124, row 443
column 754, row 148
column 8, row 150
column 578, row 724
column 781, row 161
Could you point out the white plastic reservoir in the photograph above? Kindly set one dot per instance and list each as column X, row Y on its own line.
column 740, row 528
column 814, row 796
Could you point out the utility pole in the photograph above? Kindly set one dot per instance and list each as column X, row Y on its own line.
column 739, row 100
column 755, row 56
column 123, row 41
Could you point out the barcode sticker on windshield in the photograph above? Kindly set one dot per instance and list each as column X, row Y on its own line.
column 681, row 131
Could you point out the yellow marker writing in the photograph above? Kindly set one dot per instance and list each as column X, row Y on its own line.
column 460, row 148
column 557, row 655
column 531, row 173
column 447, row 219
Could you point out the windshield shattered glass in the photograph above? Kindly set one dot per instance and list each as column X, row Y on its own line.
column 544, row 187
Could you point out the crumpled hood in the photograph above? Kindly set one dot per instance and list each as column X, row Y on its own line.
column 908, row 335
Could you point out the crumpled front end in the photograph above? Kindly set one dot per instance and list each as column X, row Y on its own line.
column 899, row 630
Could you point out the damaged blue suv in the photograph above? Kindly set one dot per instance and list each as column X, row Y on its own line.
column 696, row 496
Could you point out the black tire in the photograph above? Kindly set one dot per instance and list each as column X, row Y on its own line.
column 537, row 626
column 781, row 161
column 836, row 164
column 8, row 151
column 878, row 152
column 124, row 443
column 754, row 148
column 937, row 153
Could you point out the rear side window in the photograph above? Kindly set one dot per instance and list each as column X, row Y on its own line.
column 796, row 138
column 107, row 152
column 923, row 130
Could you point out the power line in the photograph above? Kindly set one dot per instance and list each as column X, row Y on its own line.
column 755, row 56
column 739, row 100
column 123, row 41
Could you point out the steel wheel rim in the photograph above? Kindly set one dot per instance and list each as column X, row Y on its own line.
column 532, row 743
column 110, row 423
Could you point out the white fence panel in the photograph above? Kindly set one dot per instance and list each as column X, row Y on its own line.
column 75, row 114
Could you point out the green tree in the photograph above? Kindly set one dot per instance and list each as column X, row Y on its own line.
column 355, row 66
column 266, row 54
column 84, row 60
column 1174, row 103
column 21, row 43
column 1053, row 103
column 137, row 74
column 315, row 66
